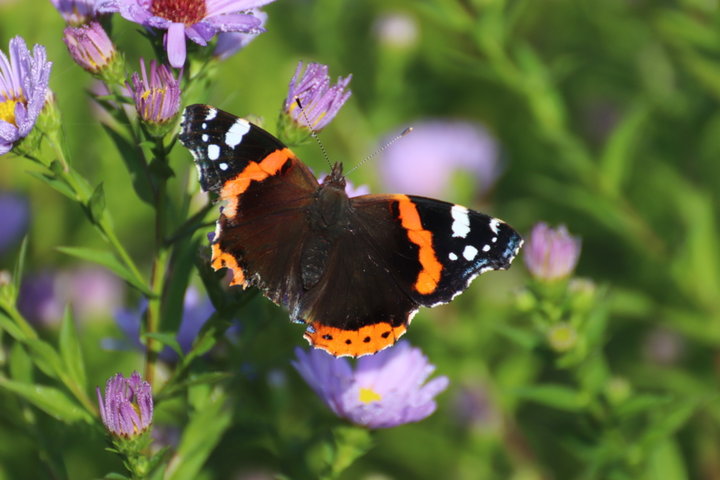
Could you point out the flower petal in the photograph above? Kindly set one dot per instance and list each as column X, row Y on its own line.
column 175, row 45
column 235, row 23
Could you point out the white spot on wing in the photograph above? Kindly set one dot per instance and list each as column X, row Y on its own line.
column 452, row 256
column 213, row 152
column 223, row 166
column 486, row 248
column 234, row 136
column 470, row 252
column 212, row 113
column 494, row 224
column 205, row 137
column 461, row 221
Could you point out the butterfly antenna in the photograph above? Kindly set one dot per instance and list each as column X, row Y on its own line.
column 381, row 149
column 313, row 133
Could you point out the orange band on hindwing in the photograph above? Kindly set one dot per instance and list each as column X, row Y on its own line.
column 429, row 276
column 355, row 343
column 222, row 259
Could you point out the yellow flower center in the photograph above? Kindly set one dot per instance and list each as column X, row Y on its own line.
column 7, row 110
column 368, row 395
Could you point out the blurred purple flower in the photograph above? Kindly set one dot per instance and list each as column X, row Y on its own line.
column 423, row 162
column 198, row 20
column 91, row 291
column 15, row 215
column 76, row 12
column 398, row 30
column 350, row 189
column 127, row 408
column 90, row 46
column 385, row 390
column 23, row 90
column 39, row 300
column 157, row 98
column 229, row 43
column 551, row 253
column 197, row 309
column 320, row 101
column 473, row 408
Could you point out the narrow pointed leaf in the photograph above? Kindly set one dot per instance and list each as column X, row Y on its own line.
column 70, row 351
column 107, row 260
column 48, row 399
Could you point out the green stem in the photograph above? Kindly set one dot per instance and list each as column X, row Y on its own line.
column 159, row 268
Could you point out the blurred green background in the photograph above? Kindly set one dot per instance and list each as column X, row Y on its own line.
column 607, row 117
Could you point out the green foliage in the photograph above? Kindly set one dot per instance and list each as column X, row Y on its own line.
column 607, row 117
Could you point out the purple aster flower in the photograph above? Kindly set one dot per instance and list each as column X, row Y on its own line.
column 127, row 408
column 90, row 46
column 93, row 291
column 423, row 162
column 157, row 98
column 551, row 253
column 229, row 43
column 15, row 215
column 384, row 390
column 23, row 90
column 198, row 20
column 320, row 101
column 76, row 12
column 197, row 308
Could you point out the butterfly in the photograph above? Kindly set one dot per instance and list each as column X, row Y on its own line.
column 354, row 270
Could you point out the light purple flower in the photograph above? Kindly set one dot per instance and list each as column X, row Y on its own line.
column 424, row 161
column 229, row 43
column 320, row 101
column 197, row 308
column 157, row 97
column 198, row 20
column 15, row 215
column 92, row 291
column 23, row 90
column 384, row 390
column 551, row 253
column 127, row 408
column 90, row 46
column 398, row 30
column 76, row 12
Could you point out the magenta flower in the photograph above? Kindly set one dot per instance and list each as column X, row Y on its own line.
column 23, row 90
column 551, row 254
column 229, row 43
column 423, row 162
column 76, row 12
column 127, row 408
column 90, row 46
column 320, row 101
column 157, row 97
column 198, row 20
column 384, row 390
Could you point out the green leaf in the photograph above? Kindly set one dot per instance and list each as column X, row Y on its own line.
column 20, row 364
column 70, row 351
column 666, row 462
column 19, row 269
column 57, row 185
column 107, row 260
column 8, row 325
column 50, row 400
column 96, row 204
column 619, row 154
column 166, row 338
column 555, row 396
column 135, row 164
column 45, row 357
column 201, row 435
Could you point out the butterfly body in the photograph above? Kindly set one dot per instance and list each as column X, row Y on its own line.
column 354, row 269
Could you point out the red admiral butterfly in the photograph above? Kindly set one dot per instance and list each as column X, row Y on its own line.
column 355, row 270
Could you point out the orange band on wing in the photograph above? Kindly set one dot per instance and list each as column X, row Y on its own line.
column 429, row 277
column 254, row 171
column 354, row 343
column 222, row 259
